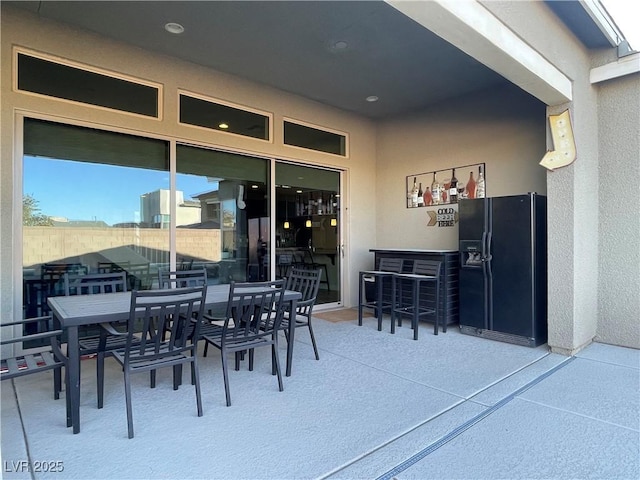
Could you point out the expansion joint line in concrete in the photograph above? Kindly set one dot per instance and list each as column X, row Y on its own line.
column 468, row 424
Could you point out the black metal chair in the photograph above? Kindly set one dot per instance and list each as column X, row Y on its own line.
column 49, row 358
column 420, row 302
column 307, row 282
column 170, row 321
column 309, row 262
column 253, row 316
column 89, row 343
column 380, row 300
column 182, row 278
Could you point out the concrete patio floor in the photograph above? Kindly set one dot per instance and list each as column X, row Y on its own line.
column 376, row 405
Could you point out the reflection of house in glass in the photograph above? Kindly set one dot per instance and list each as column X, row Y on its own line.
column 155, row 208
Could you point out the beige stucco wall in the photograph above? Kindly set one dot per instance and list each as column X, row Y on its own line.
column 503, row 128
column 572, row 191
column 619, row 211
column 26, row 30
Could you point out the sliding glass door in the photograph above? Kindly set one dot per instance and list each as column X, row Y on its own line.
column 93, row 201
column 225, row 223
column 96, row 201
column 308, row 224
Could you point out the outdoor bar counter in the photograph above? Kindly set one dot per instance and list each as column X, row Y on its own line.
column 448, row 274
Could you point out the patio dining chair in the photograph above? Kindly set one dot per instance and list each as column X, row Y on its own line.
column 253, row 316
column 307, row 282
column 89, row 343
column 42, row 359
column 170, row 319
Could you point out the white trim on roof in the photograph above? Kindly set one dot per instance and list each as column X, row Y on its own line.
column 477, row 32
column 624, row 66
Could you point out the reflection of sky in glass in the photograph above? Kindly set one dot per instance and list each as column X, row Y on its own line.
column 91, row 191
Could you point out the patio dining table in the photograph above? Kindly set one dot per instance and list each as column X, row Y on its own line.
column 80, row 310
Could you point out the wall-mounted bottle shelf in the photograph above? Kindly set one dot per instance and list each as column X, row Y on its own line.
column 444, row 187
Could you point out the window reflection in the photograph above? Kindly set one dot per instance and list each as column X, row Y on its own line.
column 89, row 207
column 229, row 234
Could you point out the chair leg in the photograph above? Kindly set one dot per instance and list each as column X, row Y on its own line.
column 225, row 375
column 206, row 348
column 360, row 298
column 313, row 338
column 152, row 379
column 195, row 374
column 274, row 352
column 177, row 376
column 416, row 308
column 379, row 304
column 127, row 393
column 251, row 353
column 100, row 378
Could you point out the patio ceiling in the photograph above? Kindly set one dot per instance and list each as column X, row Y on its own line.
column 334, row 52
column 296, row 47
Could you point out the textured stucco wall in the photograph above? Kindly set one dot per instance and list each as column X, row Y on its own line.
column 503, row 127
column 572, row 191
column 619, row 216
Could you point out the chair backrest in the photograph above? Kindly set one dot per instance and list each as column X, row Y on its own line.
column 94, row 283
column 52, row 276
column 394, row 265
column 285, row 259
column 182, row 278
column 253, row 310
column 111, row 267
column 426, row 267
column 169, row 317
column 138, row 276
column 307, row 282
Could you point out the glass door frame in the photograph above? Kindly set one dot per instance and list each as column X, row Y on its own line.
column 173, row 142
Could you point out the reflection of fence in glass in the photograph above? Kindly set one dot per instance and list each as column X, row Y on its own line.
column 49, row 244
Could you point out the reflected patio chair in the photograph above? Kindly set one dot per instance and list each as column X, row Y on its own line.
column 170, row 319
column 138, row 276
column 309, row 262
column 182, row 278
column 50, row 358
column 307, row 282
column 253, row 316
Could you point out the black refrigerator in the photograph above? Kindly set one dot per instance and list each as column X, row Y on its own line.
column 503, row 268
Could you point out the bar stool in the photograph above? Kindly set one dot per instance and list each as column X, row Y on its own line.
column 387, row 268
column 424, row 271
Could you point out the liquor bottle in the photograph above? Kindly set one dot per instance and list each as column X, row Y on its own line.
column 480, row 184
column 414, row 193
column 428, row 199
column 453, row 188
column 471, row 186
column 319, row 203
column 420, row 196
column 435, row 190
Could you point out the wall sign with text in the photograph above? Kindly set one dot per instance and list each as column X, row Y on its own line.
column 443, row 217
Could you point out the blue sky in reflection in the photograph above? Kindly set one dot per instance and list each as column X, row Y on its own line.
column 92, row 191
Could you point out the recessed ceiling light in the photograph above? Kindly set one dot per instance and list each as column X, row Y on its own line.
column 223, row 126
column 371, row 98
column 340, row 45
column 254, row 186
column 175, row 28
